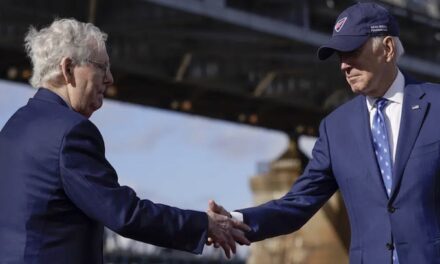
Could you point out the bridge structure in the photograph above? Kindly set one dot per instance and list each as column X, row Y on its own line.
column 246, row 61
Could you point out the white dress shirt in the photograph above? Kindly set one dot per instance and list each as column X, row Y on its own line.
column 393, row 111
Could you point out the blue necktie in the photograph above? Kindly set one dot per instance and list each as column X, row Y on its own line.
column 382, row 151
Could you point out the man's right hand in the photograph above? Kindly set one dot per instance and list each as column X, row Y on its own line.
column 223, row 230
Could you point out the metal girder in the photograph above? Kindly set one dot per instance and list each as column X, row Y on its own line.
column 92, row 11
column 421, row 66
column 279, row 28
column 247, row 20
column 196, row 99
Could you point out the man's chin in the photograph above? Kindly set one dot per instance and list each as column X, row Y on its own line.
column 98, row 104
column 356, row 90
column 92, row 110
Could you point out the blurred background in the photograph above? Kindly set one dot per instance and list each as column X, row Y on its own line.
column 216, row 99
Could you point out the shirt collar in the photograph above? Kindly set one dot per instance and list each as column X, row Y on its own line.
column 394, row 93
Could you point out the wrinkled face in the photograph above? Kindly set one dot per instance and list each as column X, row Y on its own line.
column 365, row 69
column 91, row 79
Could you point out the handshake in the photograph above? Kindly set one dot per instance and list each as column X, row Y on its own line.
column 223, row 230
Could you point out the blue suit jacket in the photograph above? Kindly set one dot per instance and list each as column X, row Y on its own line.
column 343, row 158
column 58, row 190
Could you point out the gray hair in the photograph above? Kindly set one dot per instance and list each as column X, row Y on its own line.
column 63, row 38
column 398, row 45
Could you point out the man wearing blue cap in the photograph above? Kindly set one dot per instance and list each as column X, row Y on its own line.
column 381, row 150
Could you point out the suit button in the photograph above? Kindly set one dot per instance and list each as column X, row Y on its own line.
column 390, row 246
column 391, row 209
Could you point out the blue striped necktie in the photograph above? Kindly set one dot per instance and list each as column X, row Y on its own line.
column 383, row 151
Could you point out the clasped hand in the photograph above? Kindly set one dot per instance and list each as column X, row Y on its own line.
column 223, row 230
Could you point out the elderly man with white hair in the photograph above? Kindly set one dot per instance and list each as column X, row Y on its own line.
column 57, row 189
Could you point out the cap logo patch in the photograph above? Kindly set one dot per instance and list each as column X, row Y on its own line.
column 340, row 24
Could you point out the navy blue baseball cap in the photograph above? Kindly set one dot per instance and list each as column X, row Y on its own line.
column 355, row 25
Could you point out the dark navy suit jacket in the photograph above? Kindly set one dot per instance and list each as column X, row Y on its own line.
column 343, row 159
column 57, row 191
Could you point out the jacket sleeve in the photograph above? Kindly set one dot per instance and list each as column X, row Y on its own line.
column 289, row 213
column 91, row 183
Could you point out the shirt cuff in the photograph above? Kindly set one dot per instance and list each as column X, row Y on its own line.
column 237, row 216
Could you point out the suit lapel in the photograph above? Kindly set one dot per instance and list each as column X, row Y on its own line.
column 360, row 128
column 414, row 110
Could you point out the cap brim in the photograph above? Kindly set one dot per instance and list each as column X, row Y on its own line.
column 341, row 43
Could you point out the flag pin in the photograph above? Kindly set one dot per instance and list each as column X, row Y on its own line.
column 414, row 107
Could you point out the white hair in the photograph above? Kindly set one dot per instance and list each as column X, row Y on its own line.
column 63, row 38
column 398, row 45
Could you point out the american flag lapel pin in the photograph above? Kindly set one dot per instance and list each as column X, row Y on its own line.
column 415, row 107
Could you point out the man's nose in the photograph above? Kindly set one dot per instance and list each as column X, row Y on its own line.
column 345, row 64
column 108, row 80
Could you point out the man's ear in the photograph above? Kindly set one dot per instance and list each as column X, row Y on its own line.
column 67, row 70
column 389, row 48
